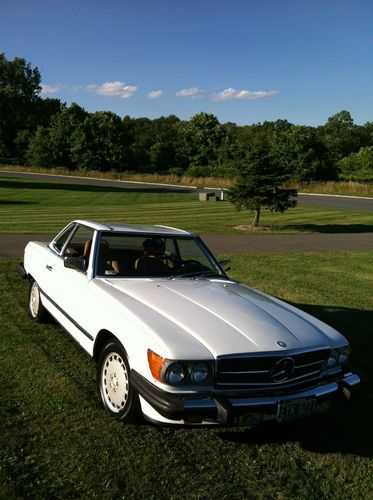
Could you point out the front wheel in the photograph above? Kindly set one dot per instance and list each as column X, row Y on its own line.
column 116, row 393
column 35, row 307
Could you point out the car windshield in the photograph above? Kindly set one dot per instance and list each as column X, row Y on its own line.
column 126, row 255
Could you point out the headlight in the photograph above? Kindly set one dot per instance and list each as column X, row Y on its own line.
column 179, row 372
column 338, row 356
column 199, row 373
column 175, row 374
column 344, row 354
column 333, row 358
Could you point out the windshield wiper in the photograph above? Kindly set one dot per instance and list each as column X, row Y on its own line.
column 196, row 274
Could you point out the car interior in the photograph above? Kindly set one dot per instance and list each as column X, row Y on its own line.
column 132, row 255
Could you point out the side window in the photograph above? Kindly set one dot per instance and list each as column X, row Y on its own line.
column 170, row 247
column 60, row 242
column 81, row 243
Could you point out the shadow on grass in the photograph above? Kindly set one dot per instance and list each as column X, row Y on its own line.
column 345, row 429
column 331, row 228
column 90, row 187
column 15, row 202
column 347, row 426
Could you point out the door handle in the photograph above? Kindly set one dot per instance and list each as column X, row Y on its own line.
column 50, row 268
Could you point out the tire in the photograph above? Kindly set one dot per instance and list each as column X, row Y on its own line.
column 35, row 308
column 116, row 393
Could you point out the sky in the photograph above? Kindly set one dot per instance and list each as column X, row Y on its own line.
column 244, row 61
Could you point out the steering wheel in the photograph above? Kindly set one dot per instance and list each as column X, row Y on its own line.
column 189, row 265
column 192, row 262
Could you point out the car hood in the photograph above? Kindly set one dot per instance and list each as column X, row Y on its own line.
column 226, row 317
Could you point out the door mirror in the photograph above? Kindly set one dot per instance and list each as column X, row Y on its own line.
column 225, row 264
column 76, row 263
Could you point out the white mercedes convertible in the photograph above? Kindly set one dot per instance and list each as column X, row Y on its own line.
column 174, row 338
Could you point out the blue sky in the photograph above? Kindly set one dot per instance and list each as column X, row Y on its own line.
column 244, row 61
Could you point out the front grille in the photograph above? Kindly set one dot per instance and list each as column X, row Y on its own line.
column 269, row 368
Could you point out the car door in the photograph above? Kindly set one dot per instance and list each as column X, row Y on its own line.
column 71, row 285
column 52, row 262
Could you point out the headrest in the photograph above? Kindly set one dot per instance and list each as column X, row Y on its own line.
column 154, row 243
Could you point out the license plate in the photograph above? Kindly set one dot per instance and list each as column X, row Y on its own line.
column 296, row 408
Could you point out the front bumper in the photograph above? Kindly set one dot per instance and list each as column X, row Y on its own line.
column 229, row 408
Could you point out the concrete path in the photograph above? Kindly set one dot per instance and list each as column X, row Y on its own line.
column 12, row 245
column 271, row 243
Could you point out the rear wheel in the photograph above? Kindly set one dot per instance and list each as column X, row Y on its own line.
column 114, row 385
column 35, row 307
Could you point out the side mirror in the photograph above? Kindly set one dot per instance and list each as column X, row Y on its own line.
column 224, row 264
column 76, row 263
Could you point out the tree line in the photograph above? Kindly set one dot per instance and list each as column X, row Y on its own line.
column 48, row 133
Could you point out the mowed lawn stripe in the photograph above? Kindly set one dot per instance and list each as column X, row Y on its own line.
column 45, row 207
column 192, row 214
column 209, row 218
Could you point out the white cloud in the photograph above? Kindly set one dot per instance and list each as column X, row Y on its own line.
column 192, row 92
column 260, row 94
column 113, row 89
column 125, row 91
column 50, row 89
column 154, row 94
column 231, row 93
column 225, row 95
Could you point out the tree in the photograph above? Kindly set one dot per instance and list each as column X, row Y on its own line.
column 341, row 136
column 19, row 92
column 21, row 145
column 150, row 145
column 248, row 134
column 4, row 151
column 202, row 136
column 260, row 181
column 62, row 128
column 302, row 154
column 368, row 133
column 44, row 109
column 161, row 156
column 143, row 138
column 358, row 165
column 163, row 151
column 229, row 154
column 97, row 143
column 39, row 150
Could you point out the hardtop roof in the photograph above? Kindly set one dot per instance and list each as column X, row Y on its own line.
column 133, row 228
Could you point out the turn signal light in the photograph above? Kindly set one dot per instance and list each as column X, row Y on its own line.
column 156, row 363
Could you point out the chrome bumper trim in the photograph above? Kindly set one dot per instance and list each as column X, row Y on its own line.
column 349, row 380
column 225, row 408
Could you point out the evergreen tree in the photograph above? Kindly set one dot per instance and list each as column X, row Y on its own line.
column 259, row 184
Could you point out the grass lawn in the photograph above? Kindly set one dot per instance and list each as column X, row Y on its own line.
column 56, row 442
column 45, row 207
